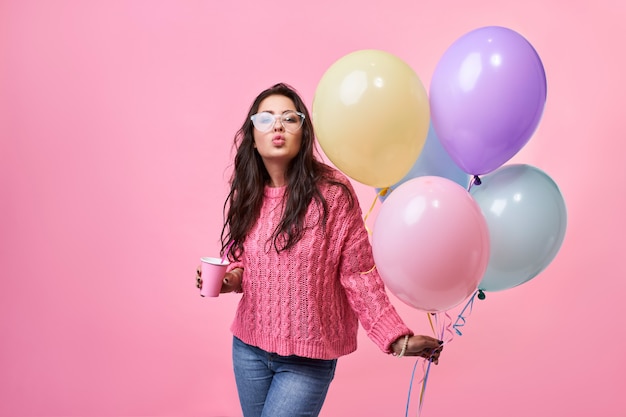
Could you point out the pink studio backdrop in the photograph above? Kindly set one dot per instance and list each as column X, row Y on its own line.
column 116, row 120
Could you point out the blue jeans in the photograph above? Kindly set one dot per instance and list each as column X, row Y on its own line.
column 271, row 385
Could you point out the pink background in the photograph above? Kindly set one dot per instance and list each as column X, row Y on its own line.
column 116, row 120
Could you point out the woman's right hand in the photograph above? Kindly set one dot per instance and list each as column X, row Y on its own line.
column 232, row 281
column 199, row 277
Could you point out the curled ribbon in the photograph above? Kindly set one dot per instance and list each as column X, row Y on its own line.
column 461, row 319
column 381, row 193
column 369, row 270
column 439, row 328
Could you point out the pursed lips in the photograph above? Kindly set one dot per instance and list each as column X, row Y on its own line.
column 278, row 140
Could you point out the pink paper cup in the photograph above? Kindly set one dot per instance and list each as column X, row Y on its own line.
column 213, row 271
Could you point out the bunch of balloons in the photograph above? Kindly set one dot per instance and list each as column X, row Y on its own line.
column 442, row 231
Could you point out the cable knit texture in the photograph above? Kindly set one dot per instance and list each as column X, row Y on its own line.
column 308, row 301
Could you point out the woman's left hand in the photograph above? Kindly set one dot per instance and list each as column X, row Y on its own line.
column 419, row 345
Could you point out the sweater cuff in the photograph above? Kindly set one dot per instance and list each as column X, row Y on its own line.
column 387, row 330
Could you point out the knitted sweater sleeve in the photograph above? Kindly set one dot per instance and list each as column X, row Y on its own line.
column 360, row 279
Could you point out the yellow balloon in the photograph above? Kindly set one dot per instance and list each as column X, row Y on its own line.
column 371, row 116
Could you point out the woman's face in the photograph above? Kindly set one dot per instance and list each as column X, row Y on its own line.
column 281, row 142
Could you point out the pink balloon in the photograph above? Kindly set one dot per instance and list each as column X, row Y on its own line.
column 431, row 243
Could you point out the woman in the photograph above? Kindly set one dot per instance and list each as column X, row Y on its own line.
column 301, row 256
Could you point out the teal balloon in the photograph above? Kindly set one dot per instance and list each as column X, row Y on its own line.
column 434, row 160
column 526, row 217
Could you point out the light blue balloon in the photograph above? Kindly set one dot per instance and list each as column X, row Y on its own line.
column 434, row 160
column 526, row 217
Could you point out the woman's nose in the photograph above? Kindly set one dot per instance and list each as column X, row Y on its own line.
column 278, row 124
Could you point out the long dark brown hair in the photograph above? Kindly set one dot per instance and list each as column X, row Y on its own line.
column 304, row 173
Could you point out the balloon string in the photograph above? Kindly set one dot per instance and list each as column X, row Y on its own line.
column 381, row 193
column 440, row 326
column 424, row 382
column 475, row 181
column 439, row 329
column 430, row 320
column 446, row 327
column 462, row 318
column 368, row 271
column 408, row 402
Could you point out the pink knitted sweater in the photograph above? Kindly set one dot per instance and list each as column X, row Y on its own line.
column 308, row 301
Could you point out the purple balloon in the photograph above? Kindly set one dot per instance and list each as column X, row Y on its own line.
column 487, row 96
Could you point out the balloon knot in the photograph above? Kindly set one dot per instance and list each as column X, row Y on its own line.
column 477, row 180
column 481, row 295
